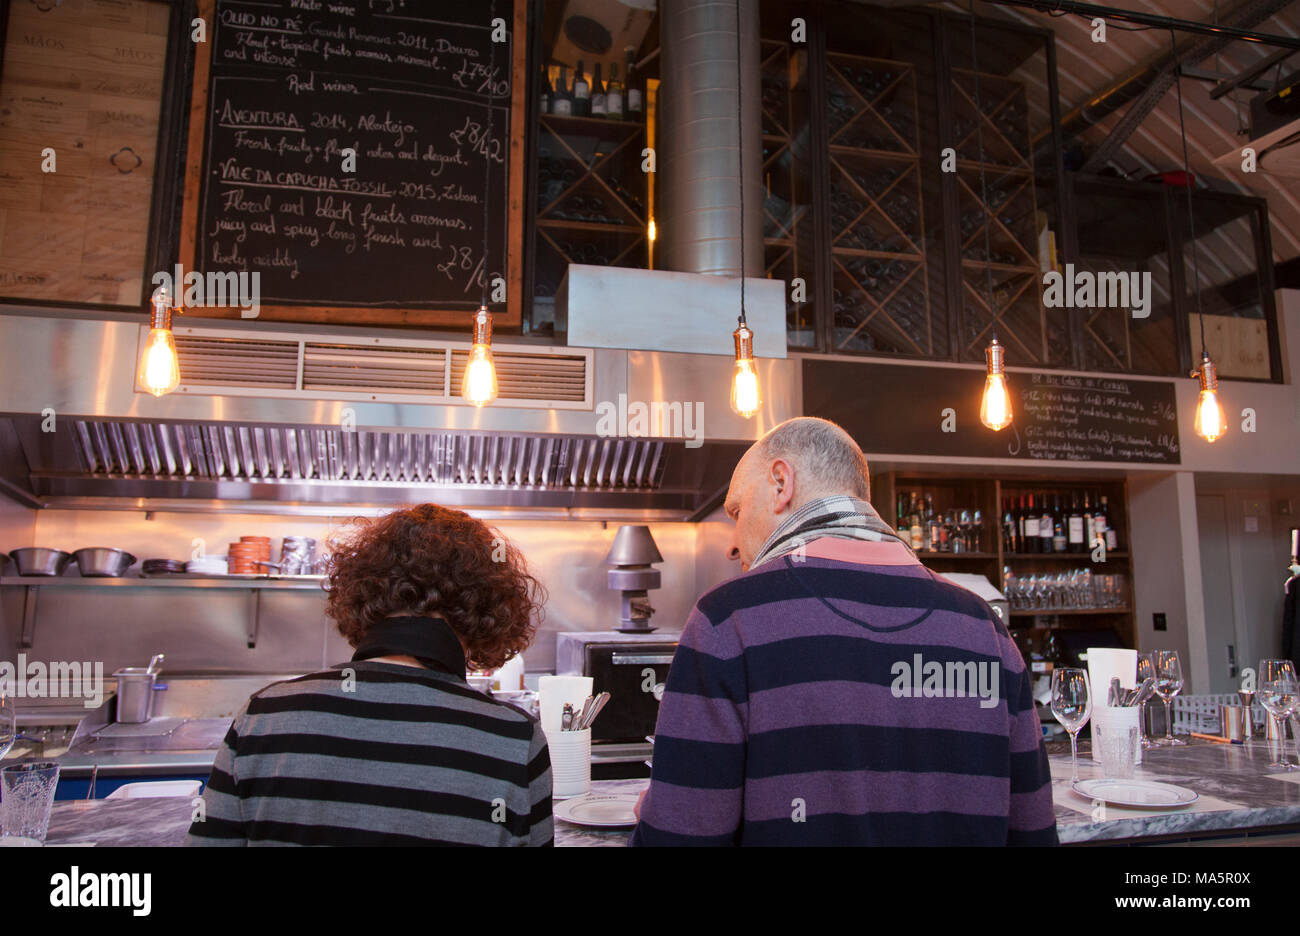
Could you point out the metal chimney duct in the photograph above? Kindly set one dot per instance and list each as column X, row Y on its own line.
column 700, row 125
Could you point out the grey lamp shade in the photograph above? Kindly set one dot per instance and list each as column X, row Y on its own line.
column 633, row 546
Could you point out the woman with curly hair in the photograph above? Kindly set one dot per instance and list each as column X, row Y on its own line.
column 394, row 747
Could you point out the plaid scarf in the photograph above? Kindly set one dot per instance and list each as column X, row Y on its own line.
column 838, row 516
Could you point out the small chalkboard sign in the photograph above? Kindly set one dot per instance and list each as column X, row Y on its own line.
column 902, row 410
column 346, row 150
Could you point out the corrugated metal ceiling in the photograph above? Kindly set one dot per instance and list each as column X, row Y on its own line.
column 1085, row 67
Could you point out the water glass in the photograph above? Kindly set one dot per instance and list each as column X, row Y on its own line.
column 1145, row 670
column 1119, row 747
column 28, row 796
column 1279, row 693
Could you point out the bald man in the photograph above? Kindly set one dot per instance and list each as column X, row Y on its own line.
column 838, row 692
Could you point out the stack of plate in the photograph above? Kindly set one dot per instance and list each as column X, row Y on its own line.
column 209, row 565
column 162, row 567
column 247, row 555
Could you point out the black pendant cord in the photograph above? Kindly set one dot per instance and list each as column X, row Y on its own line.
column 740, row 158
column 487, row 152
column 984, row 191
column 1187, row 184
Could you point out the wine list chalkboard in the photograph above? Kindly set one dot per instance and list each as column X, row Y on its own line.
column 406, row 86
column 901, row 410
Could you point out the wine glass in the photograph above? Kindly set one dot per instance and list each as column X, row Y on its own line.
column 1146, row 670
column 1277, row 693
column 1169, row 682
column 1072, row 706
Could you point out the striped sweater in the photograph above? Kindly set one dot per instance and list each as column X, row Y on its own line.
column 407, row 756
column 838, row 701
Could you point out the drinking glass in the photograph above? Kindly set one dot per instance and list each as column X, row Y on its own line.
column 1146, row 670
column 1277, row 693
column 1072, row 706
column 1118, row 752
column 28, row 797
column 1169, row 682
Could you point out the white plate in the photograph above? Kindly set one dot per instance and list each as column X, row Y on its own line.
column 599, row 810
column 1144, row 793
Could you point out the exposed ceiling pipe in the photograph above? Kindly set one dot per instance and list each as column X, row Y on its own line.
column 1143, row 88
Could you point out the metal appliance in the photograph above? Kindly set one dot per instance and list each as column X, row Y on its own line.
column 631, row 555
column 633, row 669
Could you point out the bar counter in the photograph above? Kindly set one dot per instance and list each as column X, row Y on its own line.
column 1239, row 801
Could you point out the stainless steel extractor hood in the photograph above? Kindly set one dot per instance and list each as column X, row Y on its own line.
column 333, row 422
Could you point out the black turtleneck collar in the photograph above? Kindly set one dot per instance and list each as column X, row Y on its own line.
column 430, row 640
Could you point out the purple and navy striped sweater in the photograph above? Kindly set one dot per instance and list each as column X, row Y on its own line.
column 792, row 716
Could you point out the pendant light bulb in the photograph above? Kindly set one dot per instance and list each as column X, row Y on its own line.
column 745, row 397
column 159, row 371
column 1211, row 422
column 995, row 406
column 479, row 385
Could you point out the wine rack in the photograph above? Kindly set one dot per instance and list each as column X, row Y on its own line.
column 591, row 197
column 787, row 210
column 880, row 287
column 1002, row 210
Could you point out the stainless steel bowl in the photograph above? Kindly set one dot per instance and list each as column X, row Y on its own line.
column 103, row 563
column 40, row 561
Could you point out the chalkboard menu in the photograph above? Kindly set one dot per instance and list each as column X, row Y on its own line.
column 347, row 149
column 904, row 410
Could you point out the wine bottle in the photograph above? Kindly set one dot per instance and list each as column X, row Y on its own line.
column 1089, row 533
column 562, row 100
column 1046, row 528
column 597, row 94
column 1058, row 526
column 917, row 533
column 581, row 93
column 1009, row 543
column 1031, row 526
column 1112, row 541
column 1076, row 525
column 546, row 92
column 614, row 94
column 634, row 105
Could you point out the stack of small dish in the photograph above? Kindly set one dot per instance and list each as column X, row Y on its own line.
column 208, row 565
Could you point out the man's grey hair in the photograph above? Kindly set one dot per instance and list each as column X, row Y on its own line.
column 822, row 452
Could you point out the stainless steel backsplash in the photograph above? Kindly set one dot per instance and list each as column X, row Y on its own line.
column 206, row 630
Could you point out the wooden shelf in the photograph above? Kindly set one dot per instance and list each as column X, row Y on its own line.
column 1081, row 556
column 1071, row 612
column 930, row 554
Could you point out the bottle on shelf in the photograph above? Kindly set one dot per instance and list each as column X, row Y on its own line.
column 614, row 94
column 1089, row 532
column 1029, row 525
column 1046, row 528
column 562, row 97
column 544, row 96
column 1058, row 526
column 1009, row 541
column 634, row 104
column 597, row 94
column 1112, row 540
column 581, row 93
column 1076, row 525
column 915, row 530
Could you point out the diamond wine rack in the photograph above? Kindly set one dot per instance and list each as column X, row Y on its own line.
column 591, row 197
column 879, row 284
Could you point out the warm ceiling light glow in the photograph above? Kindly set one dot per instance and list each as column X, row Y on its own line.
column 745, row 397
column 995, row 407
column 1211, row 423
column 159, row 370
column 479, row 386
column 651, row 232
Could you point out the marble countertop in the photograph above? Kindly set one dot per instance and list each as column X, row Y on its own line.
column 1237, row 793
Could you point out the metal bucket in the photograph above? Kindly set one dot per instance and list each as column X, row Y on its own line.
column 134, row 694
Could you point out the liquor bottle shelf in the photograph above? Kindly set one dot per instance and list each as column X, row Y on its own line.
column 1072, row 612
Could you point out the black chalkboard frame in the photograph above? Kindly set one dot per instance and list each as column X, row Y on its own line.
column 507, row 316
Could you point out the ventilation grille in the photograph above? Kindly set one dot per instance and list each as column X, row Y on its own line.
column 406, row 371
column 169, row 451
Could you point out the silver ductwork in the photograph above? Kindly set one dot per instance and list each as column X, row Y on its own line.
column 699, row 129
column 339, row 421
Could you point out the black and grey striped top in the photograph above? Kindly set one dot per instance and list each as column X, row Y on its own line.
column 397, row 756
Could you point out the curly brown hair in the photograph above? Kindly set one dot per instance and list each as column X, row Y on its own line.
column 438, row 562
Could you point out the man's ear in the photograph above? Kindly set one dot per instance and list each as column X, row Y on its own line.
column 782, row 477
